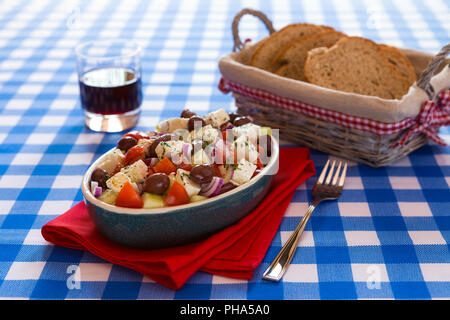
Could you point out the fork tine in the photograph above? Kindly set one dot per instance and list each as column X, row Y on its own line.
column 330, row 173
column 336, row 175
column 324, row 171
column 344, row 172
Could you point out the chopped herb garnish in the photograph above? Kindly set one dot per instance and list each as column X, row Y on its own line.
column 185, row 175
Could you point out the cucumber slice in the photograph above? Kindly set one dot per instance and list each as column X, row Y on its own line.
column 109, row 196
column 196, row 198
column 172, row 179
column 265, row 130
column 152, row 201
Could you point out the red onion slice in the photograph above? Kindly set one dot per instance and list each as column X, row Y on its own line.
column 187, row 150
column 213, row 188
column 154, row 162
column 98, row 192
column 151, row 162
column 94, row 184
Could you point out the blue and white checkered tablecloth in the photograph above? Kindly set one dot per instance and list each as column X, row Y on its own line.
column 387, row 237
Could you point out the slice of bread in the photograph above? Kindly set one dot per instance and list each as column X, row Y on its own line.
column 290, row 61
column 400, row 62
column 263, row 56
column 356, row 65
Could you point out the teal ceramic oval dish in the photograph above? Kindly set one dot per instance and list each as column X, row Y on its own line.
column 178, row 225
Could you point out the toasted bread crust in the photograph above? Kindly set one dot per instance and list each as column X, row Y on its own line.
column 355, row 65
column 399, row 61
column 294, row 54
column 263, row 56
column 326, row 57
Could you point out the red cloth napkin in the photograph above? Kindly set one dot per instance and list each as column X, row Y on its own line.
column 233, row 252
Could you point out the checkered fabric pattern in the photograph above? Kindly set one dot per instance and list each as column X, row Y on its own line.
column 431, row 117
column 388, row 236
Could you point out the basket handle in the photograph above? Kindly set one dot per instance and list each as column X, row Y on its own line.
column 234, row 27
column 427, row 74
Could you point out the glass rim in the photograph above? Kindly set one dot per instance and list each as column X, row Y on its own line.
column 82, row 45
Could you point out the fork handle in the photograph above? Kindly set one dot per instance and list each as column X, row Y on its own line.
column 279, row 265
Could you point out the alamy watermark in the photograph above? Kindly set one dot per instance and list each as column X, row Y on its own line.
column 74, row 279
column 73, row 12
column 374, row 277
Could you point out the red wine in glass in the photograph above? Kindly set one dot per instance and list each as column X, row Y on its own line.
column 110, row 90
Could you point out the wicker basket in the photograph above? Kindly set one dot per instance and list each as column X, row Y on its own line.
column 297, row 123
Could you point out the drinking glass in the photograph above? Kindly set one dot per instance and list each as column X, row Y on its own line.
column 109, row 75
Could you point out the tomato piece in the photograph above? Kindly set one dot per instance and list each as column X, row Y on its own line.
column 137, row 135
column 128, row 197
column 165, row 166
column 259, row 164
column 177, row 195
column 134, row 154
column 257, row 171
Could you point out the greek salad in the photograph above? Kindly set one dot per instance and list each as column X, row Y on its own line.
column 186, row 159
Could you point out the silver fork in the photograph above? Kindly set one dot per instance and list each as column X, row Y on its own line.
column 329, row 188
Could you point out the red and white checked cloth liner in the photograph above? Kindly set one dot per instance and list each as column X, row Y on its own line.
column 432, row 115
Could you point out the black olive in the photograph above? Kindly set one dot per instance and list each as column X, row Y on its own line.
column 233, row 115
column 126, row 143
column 100, row 176
column 157, row 183
column 226, row 125
column 186, row 113
column 240, row 121
column 195, row 122
column 202, row 173
column 266, row 143
column 152, row 147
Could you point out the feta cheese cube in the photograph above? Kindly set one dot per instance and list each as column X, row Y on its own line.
column 169, row 148
column 145, row 143
column 182, row 177
column 245, row 149
column 243, row 173
column 117, row 181
column 240, row 148
column 111, row 161
column 200, row 157
column 250, row 130
column 182, row 134
column 210, row 134
column 137, row 171
column 206, row 133
column 217, row 118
